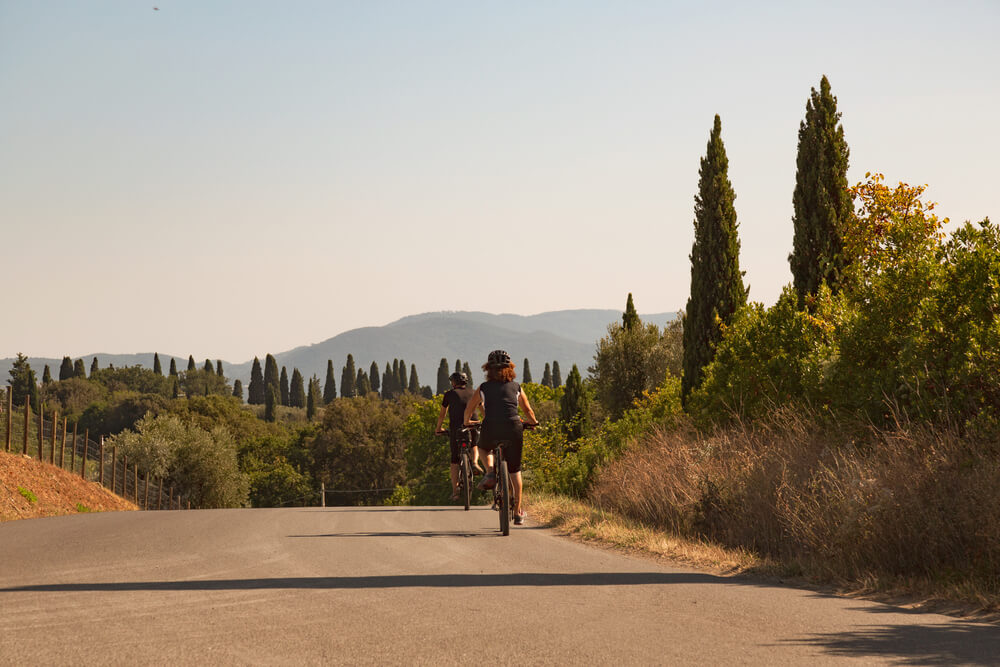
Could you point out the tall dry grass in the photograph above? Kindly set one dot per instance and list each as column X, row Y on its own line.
column 838, row 501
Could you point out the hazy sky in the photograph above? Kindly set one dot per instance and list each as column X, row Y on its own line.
column 227, row 179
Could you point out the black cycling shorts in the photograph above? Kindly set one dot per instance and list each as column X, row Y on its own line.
column 511, row 433
column 456, row 444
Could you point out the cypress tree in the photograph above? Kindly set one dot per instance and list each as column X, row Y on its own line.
column 526, row 371
column 209, row 368
column 175, row 390
column 458, row 365
column 330, row 388
column 238, row 390
column 271, row 404
column 387, row 382
column 218, row 368
column 414, row 386
column 283, row 387
column 403, row 383
column 717, row 289
column 272, row 376
column 467, row 371
column 22, row 382
column 556, row 375
column 173, row 367
column 630, row 320
column 93, row 366
column 79, row 370
column 255, row 392
column 427, row 392
column 66, row 369
column 157, row 368
column 821, row 199
column 46, row 376
column 313, row 397
column 574, row 408
column 363, row 385
column 191, row 364
column 297, row 390
column 373, row 378
column 349, row 379
column 443, row 383
column 547, row 376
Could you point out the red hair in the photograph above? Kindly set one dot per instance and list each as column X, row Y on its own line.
column 500, row 373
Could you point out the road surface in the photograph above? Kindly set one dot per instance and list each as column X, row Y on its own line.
column 412, row 586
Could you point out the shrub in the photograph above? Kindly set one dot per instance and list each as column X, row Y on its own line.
column 28, row 495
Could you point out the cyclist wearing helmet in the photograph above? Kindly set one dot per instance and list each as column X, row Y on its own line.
column 499, row 399
column 454, row 403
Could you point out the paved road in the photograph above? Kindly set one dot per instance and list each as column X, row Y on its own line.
column 411, row 586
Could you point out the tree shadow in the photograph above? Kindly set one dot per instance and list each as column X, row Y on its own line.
column 422, row 533
column 940, row 644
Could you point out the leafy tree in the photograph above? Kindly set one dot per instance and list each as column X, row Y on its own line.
column 330, row 388
column 271, row 375
column 208, row 367
column 255, row 392
column 443, row 384
column 66, row 369
column 191, row 364
column 22, row 382
column 363, row 385
column 238, row 390
column 173, row 367
column 157, row 368
column 526, row 371
column 547, row 376
column 414, row 386
column 717, row 289
column 314, row 397
column 122, row 411
column 628, row 362
column 297, row 390
column 175, row 390
column 821, row 200
column 283, row 387
column 427, row 392
column 201, row 382
column 630, row 319
column 93, row 365
column 46, row 376
column 556, row 375
column 131, row 378
column 79, row 370
column 349, row 379
column 574, row 409
column 73, row 395
column 271, row 405
column 373, row 378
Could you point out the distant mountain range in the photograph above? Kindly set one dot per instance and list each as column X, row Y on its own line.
column 566, row 336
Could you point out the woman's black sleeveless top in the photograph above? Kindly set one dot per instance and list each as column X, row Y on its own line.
column 500, row 400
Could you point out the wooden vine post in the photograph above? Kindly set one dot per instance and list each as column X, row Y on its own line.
column 62, row 449
column 27, row 423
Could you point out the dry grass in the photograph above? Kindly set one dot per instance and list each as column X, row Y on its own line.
column 915, row 511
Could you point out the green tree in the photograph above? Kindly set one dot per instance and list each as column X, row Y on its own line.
column 574, row 408
column 556, row 375
column 175, row 389
column 157, row 368
column 414, row 386
column 526, row 371
column 467, row 370
column 822, row 202
column 547, row 376
column 349, row 379
column 46, row 376
column 66, row 369
column 403, row 381
column 630, row 319
column 79, row 370
column 458, row 365
column 201, row 382
column 23, row 383
column 255, row 392
column 191, row 364
column 314, row 397
column 387, row 380
column 218, row 368
column 238, row 390
column 271, row 405
column 297, row 390
column 373, row 378
column 208, row 367
column 443, row 383
column 717, row 289
column 283, row 387
column 362, row 385
column 330, row 388
column 173, row 367
column 93, row 366
column 271, row 375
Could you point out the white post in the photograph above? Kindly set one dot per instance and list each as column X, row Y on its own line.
column 322, row 494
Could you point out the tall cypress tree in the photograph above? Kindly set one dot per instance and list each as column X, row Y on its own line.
column 175, row 388
column 556, row 375
column 443, row 383
column 387, row 382
column 157, row 368
column 414, row 385
column 574, row 408
column 330, row 388
column 191, row 364
column 46, row 376
column 297, row 390
column 255, row 391
column 79, row 369
column 209, row 368
column 283, row 387
column 218, row 368
column 93, row 366
column 313, row 397
column 458, row 365
column 467, row 370
column 403, row 382
column 271, row 404
column 349, row 379
column 66, row 369
column 373, row 375
column 271, row 376
column 238, row 390
column 362, row 385
column 630, row 319
column 821, row 199
column 717, row 289
column 547, row 376
column 526, row 371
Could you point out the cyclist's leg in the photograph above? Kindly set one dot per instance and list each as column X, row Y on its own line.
column 455, row 459
column 512, row 454
column 515, row 481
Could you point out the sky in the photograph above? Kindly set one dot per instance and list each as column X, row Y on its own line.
column 228, row 179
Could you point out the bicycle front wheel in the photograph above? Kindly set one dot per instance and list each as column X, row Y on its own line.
column 503, row 481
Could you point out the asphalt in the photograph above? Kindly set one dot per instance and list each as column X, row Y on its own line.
column 413, row 586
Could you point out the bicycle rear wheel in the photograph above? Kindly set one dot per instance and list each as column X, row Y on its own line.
column 465, row 479
column 503, row 481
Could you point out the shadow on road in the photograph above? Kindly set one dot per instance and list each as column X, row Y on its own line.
column 423, row 533
column 943, row 644
column 393, row 581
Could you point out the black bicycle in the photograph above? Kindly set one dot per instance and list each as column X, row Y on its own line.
column 464, row 465
column 503, row 492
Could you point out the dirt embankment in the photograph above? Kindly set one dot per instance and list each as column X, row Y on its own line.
column 30, row 489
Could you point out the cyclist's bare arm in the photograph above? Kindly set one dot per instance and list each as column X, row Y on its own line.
column 470, row 408
column 444, row 410
column 522, row 399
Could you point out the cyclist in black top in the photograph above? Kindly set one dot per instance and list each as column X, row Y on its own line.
column 500, row 398
column 454, row 403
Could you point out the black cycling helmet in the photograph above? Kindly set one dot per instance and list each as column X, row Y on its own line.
column 459, row 378
column 498, row 358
